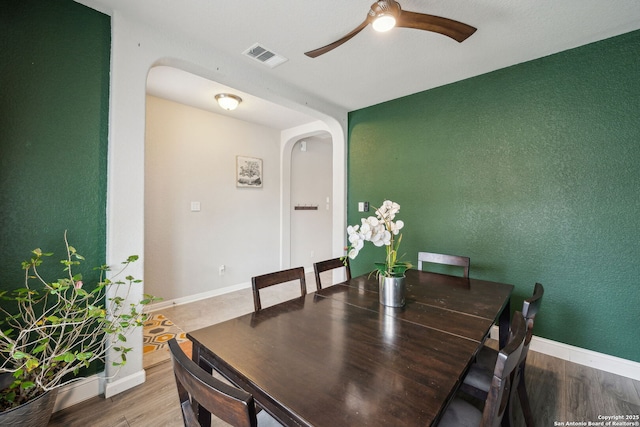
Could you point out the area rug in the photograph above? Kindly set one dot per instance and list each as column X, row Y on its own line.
column 158, row 330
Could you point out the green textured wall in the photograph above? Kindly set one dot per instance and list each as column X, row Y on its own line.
column 54, row 100
column 533, row 171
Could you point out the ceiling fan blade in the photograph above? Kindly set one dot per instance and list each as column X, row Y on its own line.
column 335, row 44
column 448, row 27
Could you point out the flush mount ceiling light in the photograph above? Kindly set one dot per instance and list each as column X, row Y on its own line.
column 228, row 101
column 384, row 14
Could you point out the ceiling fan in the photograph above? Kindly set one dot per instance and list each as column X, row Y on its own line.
column 386, row 14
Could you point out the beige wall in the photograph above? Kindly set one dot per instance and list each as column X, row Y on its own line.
column 190, row 156
column 311, row 184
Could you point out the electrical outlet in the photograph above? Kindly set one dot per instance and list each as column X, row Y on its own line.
column 363, row 206
column 221, row 270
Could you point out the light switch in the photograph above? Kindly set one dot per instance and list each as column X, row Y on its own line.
column 195, row 206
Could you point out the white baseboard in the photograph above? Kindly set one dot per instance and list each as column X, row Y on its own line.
column 210, row 294
column 592, row 359
column 197, row 297
column 604, row 362
column 79, row 391
column 93, row 386
column 130, row 381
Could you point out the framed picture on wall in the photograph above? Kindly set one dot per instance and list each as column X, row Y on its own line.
column 248, row 172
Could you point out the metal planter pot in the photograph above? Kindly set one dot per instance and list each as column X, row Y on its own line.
column 34, row 413
column 392, row 291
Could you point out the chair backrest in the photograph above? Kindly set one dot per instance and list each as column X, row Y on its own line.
column 230, row 404
column 459, row 261
column 530, row 308
column 505, row 376
column 331, row 264
column 270, row 279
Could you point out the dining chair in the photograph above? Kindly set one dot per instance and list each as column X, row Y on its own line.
column 224, row 401
column 331, row 264
column 478, row 379
column 462, row 413
column 455, row 260
column 270, row 279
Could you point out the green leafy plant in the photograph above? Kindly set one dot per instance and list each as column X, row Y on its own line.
column 52, row 329
column 381, row 230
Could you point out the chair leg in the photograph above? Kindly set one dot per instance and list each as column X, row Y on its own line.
column 524, row 403
column 508, row 416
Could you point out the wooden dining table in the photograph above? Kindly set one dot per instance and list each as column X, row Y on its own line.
column 337, row 357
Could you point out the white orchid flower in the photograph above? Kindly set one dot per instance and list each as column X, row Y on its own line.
column 381, row 212
column 375, row 237
column 386, row 238
column 396, row 226
column 366, row 231
column 379, row 230
column 372, row 221
column 383, row 238
column 389, row 209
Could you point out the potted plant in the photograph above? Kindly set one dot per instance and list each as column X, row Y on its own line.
column 382, row 230
column 51, row 330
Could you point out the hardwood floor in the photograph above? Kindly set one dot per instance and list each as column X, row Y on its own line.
column 562, row 392
column 559, row 391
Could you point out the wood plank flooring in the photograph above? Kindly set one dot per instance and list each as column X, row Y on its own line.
column 559, row 391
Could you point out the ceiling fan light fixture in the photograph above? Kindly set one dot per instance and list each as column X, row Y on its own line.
column 383, row 14
column 384, row 22
column 228, row 101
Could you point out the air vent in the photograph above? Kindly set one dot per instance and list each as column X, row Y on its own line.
column 264, row 55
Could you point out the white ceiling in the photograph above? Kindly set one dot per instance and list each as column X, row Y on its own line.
column 374, row 67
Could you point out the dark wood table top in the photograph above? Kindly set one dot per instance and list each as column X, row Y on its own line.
column 337, row 357
column 466, row 307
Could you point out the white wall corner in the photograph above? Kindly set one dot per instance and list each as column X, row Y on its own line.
column 122, row 384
